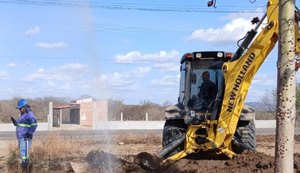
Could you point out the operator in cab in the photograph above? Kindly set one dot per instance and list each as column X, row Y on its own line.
column 207, row 92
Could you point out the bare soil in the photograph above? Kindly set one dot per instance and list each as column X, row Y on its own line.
column 4, row 154
column 99, row 161
column 125, row 156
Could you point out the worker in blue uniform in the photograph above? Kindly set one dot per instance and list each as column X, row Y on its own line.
column 26, row 125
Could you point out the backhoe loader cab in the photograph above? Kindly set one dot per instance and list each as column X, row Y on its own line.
column 201, row 86
column 201, row 79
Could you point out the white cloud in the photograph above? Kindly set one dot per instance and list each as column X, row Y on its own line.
column 12, row 65
column 237, row 27
column 120, row 80
column 167, row 61
column 40, row 70
column 255, row 95
column 262, row 84
column 231, row 32
column 33, row 31
column 39, row 75
column 139, row 57
column 63, row 80
column 4, row 75
column 57, row 45
column 166, row 80
column 73, row 67
column 66, row 73
column 263, row 79
column 75, row 79
column 168, row 66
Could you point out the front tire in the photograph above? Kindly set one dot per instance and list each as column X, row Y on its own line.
column 173, row 129
column 244, row 137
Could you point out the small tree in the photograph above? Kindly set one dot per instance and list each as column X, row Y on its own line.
column 40, row 107
column 269, row 101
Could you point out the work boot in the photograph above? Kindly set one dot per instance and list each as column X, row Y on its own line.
column 25, row 168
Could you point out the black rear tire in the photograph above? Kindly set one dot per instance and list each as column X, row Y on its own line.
column 244, row 137
column 173, row 129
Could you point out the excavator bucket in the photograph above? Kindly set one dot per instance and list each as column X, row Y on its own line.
column 148, row 161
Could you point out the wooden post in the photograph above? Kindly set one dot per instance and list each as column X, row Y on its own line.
column 286, row 86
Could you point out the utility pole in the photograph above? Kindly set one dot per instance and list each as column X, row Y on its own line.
column 286, row 87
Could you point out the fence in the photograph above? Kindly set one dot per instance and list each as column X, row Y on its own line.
column 119, row 125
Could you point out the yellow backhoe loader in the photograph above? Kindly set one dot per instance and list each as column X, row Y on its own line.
column 215, row 122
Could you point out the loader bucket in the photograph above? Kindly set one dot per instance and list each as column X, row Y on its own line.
column 148, row 161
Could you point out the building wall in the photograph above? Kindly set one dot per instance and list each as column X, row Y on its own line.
column 89, row 109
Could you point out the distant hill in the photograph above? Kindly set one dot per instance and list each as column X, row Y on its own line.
column 258, row 106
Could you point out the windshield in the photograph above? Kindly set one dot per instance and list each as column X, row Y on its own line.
column 204, row 88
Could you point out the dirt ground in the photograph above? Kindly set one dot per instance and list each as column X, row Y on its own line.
column 4, row 154
column 123, row 156
column 260, row 161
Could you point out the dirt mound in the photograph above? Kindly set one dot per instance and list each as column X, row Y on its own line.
column 100, row 161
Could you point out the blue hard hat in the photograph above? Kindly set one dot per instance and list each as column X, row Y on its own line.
column 21, row 103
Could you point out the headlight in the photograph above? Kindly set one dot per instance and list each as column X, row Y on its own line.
column 219, row 54
column 198, row 55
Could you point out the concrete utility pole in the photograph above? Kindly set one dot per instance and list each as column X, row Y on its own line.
column 286, row 86
column 50, row 116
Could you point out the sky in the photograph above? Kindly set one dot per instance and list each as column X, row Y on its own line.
column 123, row 49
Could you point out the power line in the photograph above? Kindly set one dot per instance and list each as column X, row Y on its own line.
column 135, row 29
column 125, row 6
column 27, row 57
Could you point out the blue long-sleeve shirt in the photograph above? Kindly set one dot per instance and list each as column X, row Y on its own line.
column 26, row 125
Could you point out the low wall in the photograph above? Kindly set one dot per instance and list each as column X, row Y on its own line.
column 11, row 127
column 265, row 124
column 126, row 125
column 152, row 125
column 129, row 125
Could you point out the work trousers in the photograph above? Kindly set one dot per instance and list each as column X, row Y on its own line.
column 24, row 147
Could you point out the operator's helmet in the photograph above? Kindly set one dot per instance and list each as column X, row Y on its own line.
column 21, row 103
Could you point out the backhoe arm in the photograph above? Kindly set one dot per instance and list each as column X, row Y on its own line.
column 238, row 76
column 217, row 132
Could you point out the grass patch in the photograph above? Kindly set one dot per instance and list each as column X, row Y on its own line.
column 53, row 152
column 53, row 147
column 45, row 151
